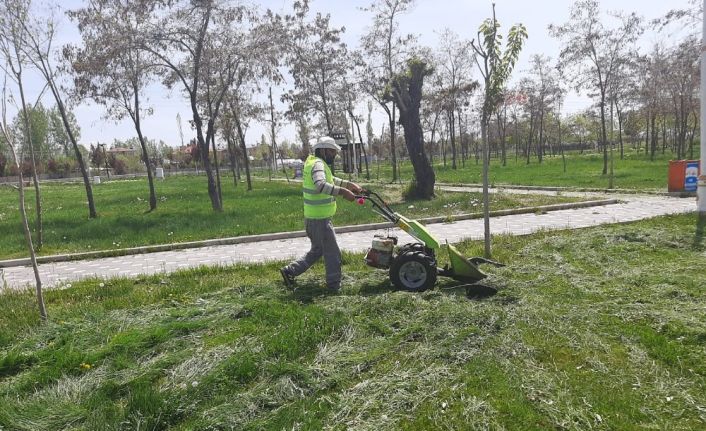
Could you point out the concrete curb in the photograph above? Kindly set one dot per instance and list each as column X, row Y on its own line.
column 559, row 189
column 288, row 235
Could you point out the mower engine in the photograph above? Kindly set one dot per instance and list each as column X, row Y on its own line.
column 381, row 253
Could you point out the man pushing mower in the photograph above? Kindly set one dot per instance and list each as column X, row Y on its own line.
column 320, row 189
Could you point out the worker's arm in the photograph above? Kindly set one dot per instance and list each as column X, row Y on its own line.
column 355, row 188
column 318, row 174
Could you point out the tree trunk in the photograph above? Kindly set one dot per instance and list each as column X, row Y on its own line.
column 148, row 165
column 79, row 157
column 27, row 233
column 611, row 177
column 273, row 129
column 433, row 136
column 540, row 143
column 452, row 136
column 458, row 128
column 517, row 141
column 407, row 94
column 393, row 147
column 362, row 146
column 501, row 134
column 528, row 149
column 202, row 142
column 604, row 136
column 35, row 179
column 561, row 143
column 691, row 136
column 486, row 195
column 146, row 157
column 233, row 160
column 143, row 144
column 647, row 133
column 664, row 134
column 620, row 133
column 246, row 158
column 443, row 146
column 216, row 163
column 653, row 137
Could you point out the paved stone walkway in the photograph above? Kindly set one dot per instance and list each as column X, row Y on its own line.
column 632, row 208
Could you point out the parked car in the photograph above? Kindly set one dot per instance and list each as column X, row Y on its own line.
column 292, row 163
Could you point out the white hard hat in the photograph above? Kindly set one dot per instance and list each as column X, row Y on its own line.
column 326, row 142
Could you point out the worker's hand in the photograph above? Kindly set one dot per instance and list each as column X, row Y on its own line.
column 347, row 194
column 355, row 188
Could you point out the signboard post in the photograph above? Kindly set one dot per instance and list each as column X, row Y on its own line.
column 701, row 186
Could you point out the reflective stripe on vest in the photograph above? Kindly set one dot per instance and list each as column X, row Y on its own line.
column 317, row 205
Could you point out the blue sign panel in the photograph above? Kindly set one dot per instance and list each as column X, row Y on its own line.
column 691, row 177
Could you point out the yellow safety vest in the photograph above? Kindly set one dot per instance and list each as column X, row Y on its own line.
column 317, row 205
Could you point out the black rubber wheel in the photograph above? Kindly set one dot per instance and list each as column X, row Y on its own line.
column 413, row 271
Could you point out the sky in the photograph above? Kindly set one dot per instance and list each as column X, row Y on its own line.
column 427, row 19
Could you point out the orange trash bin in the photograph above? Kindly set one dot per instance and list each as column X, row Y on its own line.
column 678, row 175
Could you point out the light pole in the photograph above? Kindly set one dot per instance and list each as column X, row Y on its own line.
column 701, row 191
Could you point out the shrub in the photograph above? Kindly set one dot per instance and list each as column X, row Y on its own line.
column 118, row 164
column 26, row 169
column 61, row 167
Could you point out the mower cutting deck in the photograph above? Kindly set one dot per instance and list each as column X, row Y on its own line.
column 413, row 266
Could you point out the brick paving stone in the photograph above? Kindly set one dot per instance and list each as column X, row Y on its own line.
column 631, row 208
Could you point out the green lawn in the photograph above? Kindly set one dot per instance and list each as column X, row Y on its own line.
column 636, row 171
column 601, row 328
column 184, row 213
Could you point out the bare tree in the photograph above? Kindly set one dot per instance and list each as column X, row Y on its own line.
column 10, row 141
column 242, row 109
column 202, row 46
column 350, row 95
column 39, row 33
column 12, row 51
column 594, row 53
column 545, row 85
column 386, row 51
column 651, row 92
column 274, row 128
column 110, row 68
column 682, row 84
column 455, row 72
column 317, row 62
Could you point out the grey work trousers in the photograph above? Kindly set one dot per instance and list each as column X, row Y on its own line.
column 323, row 243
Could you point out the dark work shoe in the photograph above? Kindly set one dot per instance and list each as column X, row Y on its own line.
column 334, row 289
column 287, row 278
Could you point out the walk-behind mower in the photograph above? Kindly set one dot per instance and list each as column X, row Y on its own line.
column 413, row 266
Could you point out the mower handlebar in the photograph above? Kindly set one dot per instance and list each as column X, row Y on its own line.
column 378, row 203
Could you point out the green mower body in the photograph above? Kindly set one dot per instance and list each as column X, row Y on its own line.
column 413, row 266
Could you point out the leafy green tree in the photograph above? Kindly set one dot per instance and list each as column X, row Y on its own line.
column 57, row 139
column 495, row 65
column 38, row 137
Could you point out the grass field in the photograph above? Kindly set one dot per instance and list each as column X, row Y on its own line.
column 184, row 213
column 636, row 171
column 600, row 329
